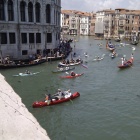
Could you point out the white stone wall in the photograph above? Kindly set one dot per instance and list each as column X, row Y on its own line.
column 17, row 123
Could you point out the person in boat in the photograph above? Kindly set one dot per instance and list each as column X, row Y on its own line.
column 60, row 94
column 132, row 56
column 123, row 60
column 72, row 73
column 66, row 68
column 27, row 72
column 48, row 98
column 68, row 62
column 67, row 93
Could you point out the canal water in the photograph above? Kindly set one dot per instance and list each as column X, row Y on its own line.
column 109, row 105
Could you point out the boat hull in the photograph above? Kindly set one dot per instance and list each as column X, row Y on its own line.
column 70, row 77
column 39, row 104
column 63, row 70
column 18, row 65
column 128, row 64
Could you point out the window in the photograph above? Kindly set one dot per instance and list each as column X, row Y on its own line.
column 10, row 11
column 48, row 14
column 3, row 38
column 37, row 12
column 24, row 38
column 24, row 52
column 30, row 12
column 38, row 37
column 49, row 37
column 12, row 38
column 31, row 37
column 2, row 10
column 22, row 11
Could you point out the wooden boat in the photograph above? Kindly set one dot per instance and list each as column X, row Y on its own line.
column 27, row 74
column 68, row 65
column 69, row 76
column 39, row 104
column 64, row 69
column 110, row 47
column 17, row 64
column 55, row 58
column 134, row 43
column 127, row 64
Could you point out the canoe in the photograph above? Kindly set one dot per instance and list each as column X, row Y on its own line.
column 127, row 64
column 17, row 64
column 39, row 104
column 98, row 59
column 63, row 70
column 68, row 65
column 69, row 76
column 27, row 74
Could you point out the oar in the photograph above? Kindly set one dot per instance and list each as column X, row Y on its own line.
column 84, row 66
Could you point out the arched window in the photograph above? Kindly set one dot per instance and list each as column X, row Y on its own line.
column 10, row 10
column 48, row 13
column 37, row 12
column 30, row 12
column 22, row 11
column 2, row 17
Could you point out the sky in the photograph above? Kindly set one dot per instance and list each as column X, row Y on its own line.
column 97, row 5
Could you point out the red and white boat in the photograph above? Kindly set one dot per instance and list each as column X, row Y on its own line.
column 69, row 76
column 127, row 64
column 39, row 104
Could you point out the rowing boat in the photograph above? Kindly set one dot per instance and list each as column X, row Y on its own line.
column 63, row 69
column 69, row 76
column 17, row 64
column 68, row 65
column 39, row 104
column 127, row 64
column 27, row 74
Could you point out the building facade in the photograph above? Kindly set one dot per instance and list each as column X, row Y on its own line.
column 29, row 27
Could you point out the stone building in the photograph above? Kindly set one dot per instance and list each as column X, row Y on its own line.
column 29, row 27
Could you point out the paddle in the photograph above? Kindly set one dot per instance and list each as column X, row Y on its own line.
column 84, row 66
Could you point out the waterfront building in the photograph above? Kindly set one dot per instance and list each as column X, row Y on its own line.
column 84, row 23
column 109, row 24
column 92, row 24
column 29, row 27
column 65, row 21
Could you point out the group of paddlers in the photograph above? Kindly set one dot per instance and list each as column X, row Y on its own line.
column 58, row 96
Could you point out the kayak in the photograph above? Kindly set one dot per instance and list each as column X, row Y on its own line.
column 127, row 64
column 63, row 69
column 27, row 74
column 69, row 76
column 39, row 104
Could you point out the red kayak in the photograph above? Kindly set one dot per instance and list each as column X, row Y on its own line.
column 39, row 104
column 69, row 76
column 127, row 64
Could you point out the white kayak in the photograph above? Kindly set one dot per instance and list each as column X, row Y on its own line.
column 27, row 74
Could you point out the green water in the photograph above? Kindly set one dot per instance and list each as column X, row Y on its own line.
column 109, row 105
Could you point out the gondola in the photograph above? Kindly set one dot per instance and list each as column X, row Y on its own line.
column 39, row 104
column 69, row 76
column 17, row 64
column 127, row 64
